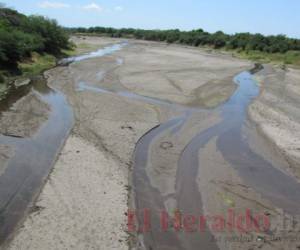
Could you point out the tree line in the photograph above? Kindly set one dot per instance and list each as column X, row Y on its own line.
column 21, row 35
column 199, row 37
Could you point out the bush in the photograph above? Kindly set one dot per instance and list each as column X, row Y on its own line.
column 16, row 45
column 240, row 41
column 53, row 36
column 20, row 36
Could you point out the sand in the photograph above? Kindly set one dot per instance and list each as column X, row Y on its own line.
column 222, row 189
column 87, row 44
column 25, row 117
column 186, row 76
column 82, row 206
column 277, row 113
column 5, row 153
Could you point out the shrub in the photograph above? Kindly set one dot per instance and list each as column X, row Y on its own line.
column 21, row 35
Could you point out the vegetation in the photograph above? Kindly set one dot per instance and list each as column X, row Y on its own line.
column 21, row 37
column 36, row 64
column 81, row 48
column 252, row 46
column 28, row 45
column 290, row 57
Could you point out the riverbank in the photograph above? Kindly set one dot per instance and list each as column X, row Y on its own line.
column 29, row 45
column 289, row 58
column 284, row 60
column 116, row 99
column 276, row 113
column 112, row 125
column 38, row 63
column 30, row 68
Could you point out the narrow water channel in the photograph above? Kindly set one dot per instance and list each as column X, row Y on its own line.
column 257, row 172
column 34, row 157
column 273, row 184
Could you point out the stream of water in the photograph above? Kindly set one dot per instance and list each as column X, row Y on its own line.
column 34, row 158
column 281, row 189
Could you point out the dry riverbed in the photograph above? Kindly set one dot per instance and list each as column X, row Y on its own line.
column 277, row 113
column 84, row 202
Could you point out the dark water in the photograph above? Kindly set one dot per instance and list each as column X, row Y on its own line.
column 265, row 177
column 149, row 197
column 14, row 94
column 257, row 172
column 33, row 159
column 281, row 189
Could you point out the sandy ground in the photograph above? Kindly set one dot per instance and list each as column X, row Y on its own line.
column 25, row 117
column 84, row 202
column 86, row 195
column 277, row 112
column 82, row 206
column 87, row 44
column 181, row 75
column 222, row 189
column 5, row 153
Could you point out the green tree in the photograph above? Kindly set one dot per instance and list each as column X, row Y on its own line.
column 53, row 36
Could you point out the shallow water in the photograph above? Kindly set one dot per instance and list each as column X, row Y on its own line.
column 257, row 172
column 265, row 177
column 33, row 159
column 281, row 189
column 99, row 53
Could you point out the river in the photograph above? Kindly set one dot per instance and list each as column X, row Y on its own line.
column 34, row 158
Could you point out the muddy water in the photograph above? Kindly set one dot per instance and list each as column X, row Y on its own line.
column 260, row 174
column 281, row 189
column 254, row 169
column 33, row 159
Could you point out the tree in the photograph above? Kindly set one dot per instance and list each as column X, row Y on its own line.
column 21, row 35
column 53, row 36
column 240, row 41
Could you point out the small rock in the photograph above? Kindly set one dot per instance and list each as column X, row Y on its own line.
column 166, row 145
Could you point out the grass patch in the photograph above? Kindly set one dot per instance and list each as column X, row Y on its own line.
column 75, row 50
column 80, row 49
column 37, row 64
column 69, row 52
column 31, row 67
column 288, row 58
column 84, row 46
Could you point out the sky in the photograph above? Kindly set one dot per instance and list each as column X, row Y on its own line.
column 269, row 17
